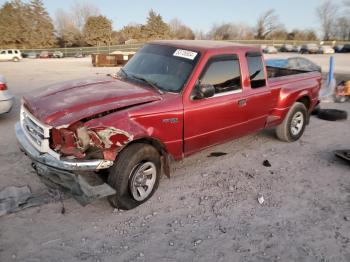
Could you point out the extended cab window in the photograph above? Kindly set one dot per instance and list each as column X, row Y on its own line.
column 256, row 70
column 223, row 73
column 9, row 51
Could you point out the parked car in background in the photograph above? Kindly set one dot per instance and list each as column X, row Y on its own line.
column 309, row 49
column 270, row 50
column 296, row 48
column 44, row 54
column 326, row 49
column 57, row 54
column 338, row 48
column 286, row 48
column 10, row 55
column 32, row 55
column 6, row 99
column 345, row 49
column 79, row 54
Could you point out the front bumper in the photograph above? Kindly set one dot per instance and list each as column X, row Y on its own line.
column 63, row 174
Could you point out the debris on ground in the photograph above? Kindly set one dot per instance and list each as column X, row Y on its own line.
column 343, row 154
column 342, row 92
column 261, row 199
column 13, row 199
column 332, row 114
column 266, row 163
column 217, row 154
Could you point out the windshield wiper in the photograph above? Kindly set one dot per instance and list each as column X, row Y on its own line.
column 124, row 72
column 149, row 82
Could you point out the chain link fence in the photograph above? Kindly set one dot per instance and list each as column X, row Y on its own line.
column 71, row 51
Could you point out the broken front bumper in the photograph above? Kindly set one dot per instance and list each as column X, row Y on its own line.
column 63, row 174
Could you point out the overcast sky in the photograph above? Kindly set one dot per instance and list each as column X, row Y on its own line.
column 202, row 14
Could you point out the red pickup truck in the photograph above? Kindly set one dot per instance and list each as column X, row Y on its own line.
column 172, row 99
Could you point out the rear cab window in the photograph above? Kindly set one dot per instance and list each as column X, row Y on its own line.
column 256, row 70
column 223, row 72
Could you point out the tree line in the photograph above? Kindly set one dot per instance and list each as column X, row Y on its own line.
column 29, row 25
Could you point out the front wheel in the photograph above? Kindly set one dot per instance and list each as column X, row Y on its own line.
column 135, row 176
column 293, row 125
column 15, row 59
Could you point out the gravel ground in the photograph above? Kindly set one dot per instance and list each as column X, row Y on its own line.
column 207, row 211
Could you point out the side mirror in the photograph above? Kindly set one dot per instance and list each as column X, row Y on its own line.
column 204, row 91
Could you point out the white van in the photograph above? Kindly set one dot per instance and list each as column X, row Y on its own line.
column 10, row 55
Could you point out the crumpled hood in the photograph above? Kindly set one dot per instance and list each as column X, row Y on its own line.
column 68, row 102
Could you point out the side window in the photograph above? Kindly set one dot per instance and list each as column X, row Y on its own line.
column 223, row 73
column 16, row 52
column 9, row 51
column 256, row 70
column 3, row 52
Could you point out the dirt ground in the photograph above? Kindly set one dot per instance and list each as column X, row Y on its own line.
column 207, row 211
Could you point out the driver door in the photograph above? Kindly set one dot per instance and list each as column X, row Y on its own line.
column 212, row 120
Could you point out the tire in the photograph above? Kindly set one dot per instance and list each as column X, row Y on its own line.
column 127, row 172
column 15, row 59
column 293, row 125
column 332, row 114
column 316, row 110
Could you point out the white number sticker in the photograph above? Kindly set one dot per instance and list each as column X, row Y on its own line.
column 185, row 54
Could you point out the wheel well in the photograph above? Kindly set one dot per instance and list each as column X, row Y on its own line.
column 164, row 155
column 153, row 142
column 306, row 101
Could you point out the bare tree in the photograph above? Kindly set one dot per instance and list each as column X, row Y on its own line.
column 267, row 23
column 179, row 30
column 70, row 25
column 327, row 13
column 68, row 34
column 81, row 11
column 343, row 28
column 230, row 31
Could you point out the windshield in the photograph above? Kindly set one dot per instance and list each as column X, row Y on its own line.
column 165, row 67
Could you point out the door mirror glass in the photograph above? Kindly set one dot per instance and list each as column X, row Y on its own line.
column 204, row 91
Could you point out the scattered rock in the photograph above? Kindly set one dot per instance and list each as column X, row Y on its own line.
column 261, row 199
column 141, row 254
column 222, row 229
column 13, row 199
column 266, row 163
column 346, row 218
column 197, row 242
column 205, row 175
column 171, row 243
column 148, row 216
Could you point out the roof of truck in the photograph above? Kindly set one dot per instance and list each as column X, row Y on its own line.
column 203, row 45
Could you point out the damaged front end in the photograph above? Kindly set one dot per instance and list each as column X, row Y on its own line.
column 82, row 142
column 67, row 157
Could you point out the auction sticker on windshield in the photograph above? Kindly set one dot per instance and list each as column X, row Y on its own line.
column 185, row 54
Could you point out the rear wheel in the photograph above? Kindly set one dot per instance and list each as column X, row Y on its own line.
column 293, row 125
column 135, row 176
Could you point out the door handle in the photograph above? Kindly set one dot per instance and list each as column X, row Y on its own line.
column 242, row 102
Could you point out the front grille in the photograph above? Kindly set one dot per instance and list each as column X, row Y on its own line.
column 36, row 132
column 33, row 130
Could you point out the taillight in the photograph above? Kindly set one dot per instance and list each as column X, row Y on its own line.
column 3, row 86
